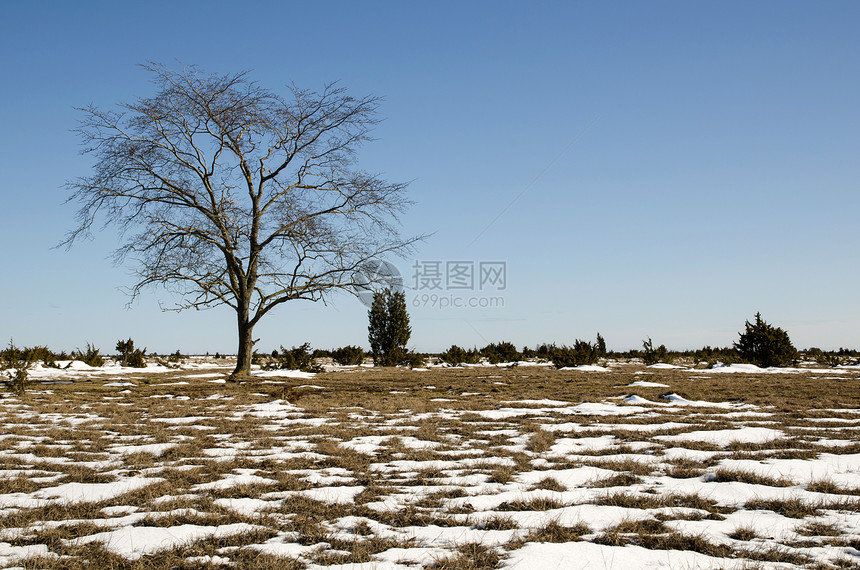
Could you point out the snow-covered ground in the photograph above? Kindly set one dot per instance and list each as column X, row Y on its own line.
column 171, row 466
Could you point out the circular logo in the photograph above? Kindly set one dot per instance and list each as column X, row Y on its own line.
column 374, row 276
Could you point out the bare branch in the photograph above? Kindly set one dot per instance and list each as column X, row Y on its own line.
column 228, row 193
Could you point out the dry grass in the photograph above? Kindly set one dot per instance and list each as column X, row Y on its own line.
column 792, row 508
column 534, row 504
column 556, row 532
column 724, row 475
column 827, row 486
column 550, row 484
column 72, row 432
column 744, row 533
column 470, row 556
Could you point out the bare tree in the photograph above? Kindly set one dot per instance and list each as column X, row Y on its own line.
column 228, row 193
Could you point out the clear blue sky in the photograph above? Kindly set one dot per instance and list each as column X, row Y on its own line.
column 671, row 167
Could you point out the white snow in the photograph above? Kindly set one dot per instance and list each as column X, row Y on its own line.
column 69, row 493
column 646, row 384
column 134, row 542
column 282, row 374
column 589, row 555
column 725, row 437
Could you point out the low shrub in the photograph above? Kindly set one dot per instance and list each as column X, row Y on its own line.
column 33, row 354
column 456, row 356
column 295, row 358
column 765, row 345
column 19, row 361
column 600, row 346
column 347, row 355
column 653, row 355
column 824, row 358
column 405, row 357
column 129, row 355
column 726, row 355
column 579, row 354
column 91, row 357
column 544, row 351
column 496, row 353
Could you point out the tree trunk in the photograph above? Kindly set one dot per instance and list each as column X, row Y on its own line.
column 246, row 346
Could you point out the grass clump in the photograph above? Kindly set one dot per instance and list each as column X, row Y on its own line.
column 540, row 441
column 679, row 541
column 829, row 487
column 619, row 480
column 792, row 508
column 630, row 501
column 744, row 533
column 533, row 504
column 554, row 531
column 724, row 475
column 550, row 484
column 502, row 474
column 815, row 528
column 497, row 522
column 470, row 556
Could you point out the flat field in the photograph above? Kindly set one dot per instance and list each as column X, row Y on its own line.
column 448, row 468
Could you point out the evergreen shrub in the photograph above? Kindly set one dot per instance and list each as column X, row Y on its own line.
column 347, row 355
column 496, row 353
column 91, row 357
column 388, row 328
column 581, row 353
column 129, row 355
column 17, row 363
column 456, row 356
column 765, row 345
column 653, row 355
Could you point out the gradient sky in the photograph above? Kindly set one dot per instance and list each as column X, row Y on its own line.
column 661, row 169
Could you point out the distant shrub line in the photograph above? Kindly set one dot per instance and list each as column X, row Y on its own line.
column 759, row 343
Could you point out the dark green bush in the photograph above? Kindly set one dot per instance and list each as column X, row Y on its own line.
column 32, row 354
column 496, row 353
column 43, row 354
column 92, row 356
column 388, row 329
column 825, row 358
column 653, row 355
column 20, row 361
column 543, row 351
column 347, row 355
column 600, row 346
column 456, row 356
column 411, row 359
column 295, row 358
column 726, row 355
column 579, row 354
column 765, row 345
column 129, row 355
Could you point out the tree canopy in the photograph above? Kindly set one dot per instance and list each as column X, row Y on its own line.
column 230, row 194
